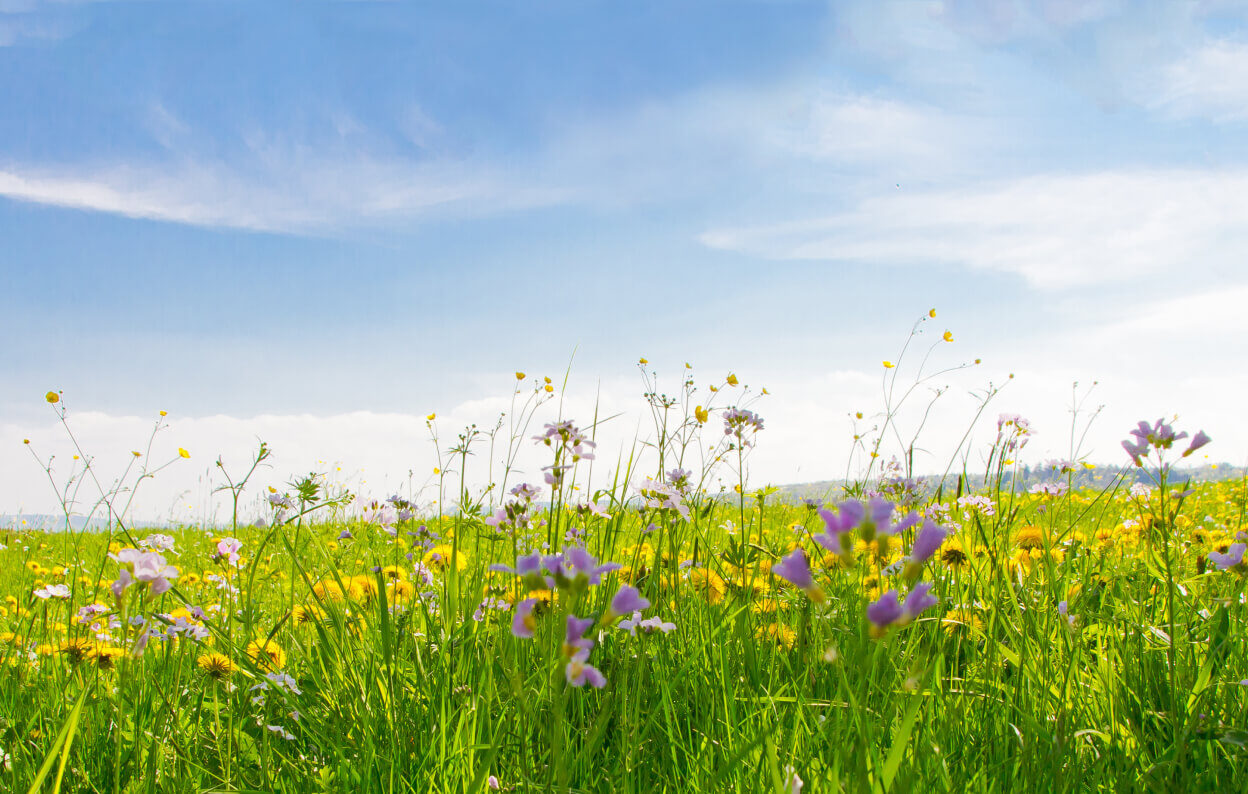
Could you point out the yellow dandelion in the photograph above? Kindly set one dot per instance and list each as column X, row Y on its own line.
column 267, row 653
column 302, row 614
column 708, row 584
column 106, row 656
column 777, row 634
column 962, row 621
column 953, row 554
column 216, row 666
column 1029, row 537
column 439, row 558
column 362, row 588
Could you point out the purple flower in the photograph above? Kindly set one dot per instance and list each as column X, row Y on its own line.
column 523, row 624
column 1136, row 451
column 579, row 567
column 884, row 612
column 574, row 640
column 1198, row 441
column 345, row 535
column 796, row 570
column 579, row 671
column 1232, row 559
column 927, row 542
column 627, row 599
column 227, row 549
column 918, row 600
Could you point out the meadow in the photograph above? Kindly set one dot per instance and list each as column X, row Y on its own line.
column 652, row 634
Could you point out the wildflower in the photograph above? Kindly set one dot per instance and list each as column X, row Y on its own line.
column 431, row 417
column 492, row 782
column 962, row 620
column 888, row 610
column 182, row 453
column 157, row 542
column 53, row 591
column 266, row 653
column 732, row 379
column 740, row 421
column 1198, row 441
column 948, row 336
column 579, row 671
column 282, row 732
column 1029, row 538
column 52, row 397
column 701, row 414
column 106, row 656
column 574, row 640
column 796, row 570
column 926, row 543
column 780, row 635
column 519, row 375
column 227, row 549
column 1064, row 610
column 888, row 365
column 649, row 625
column 709, row 584
column 523, row 623
column 792, row 783
column 1233, row 558
column 625, row 600
column 216, row 666
column 144, row 568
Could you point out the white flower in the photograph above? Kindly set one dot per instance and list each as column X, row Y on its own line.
column 53, row 591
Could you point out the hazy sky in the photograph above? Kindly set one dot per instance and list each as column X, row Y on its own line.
column 318, row 223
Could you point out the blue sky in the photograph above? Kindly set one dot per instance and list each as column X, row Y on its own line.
column 320, row 222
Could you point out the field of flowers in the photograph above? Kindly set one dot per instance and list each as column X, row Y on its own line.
column 899, row 635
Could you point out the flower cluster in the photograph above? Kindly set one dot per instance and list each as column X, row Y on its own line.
column 871, row 522
column 743, row 424
column 515, row 513
column 569, row 439
column 1160, row 437
column 573, row 572
column 144, row 568
column 663, row 496
column 1013, row 432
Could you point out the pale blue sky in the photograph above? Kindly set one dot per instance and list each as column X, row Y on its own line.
column 384, row 209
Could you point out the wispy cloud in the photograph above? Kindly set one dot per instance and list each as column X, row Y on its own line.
column 309, row 197
column 1055, row 231
column 1210, row 82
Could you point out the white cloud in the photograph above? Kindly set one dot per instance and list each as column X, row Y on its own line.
column 1210, row 81
column 1055, row 231
column 289, row 196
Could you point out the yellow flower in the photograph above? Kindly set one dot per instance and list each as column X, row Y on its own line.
column 708, row 584
column 701, row 414
column 549, row 389
column 105, row 656
column 431, row 417
column 439, row 557
column 888, row 365
column 642, row 361
column 1030, row 537
column 53, row 398
column 216, row 666
column 136, row 453
column 267, row 653
column 547, row 379
column 732, row 380
column 164, row 413
column 783, row 636
column 962, row 621
column 306, row 614
column 948, row 336
column 931, row 313
column 182, row 453
column 519, row 375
